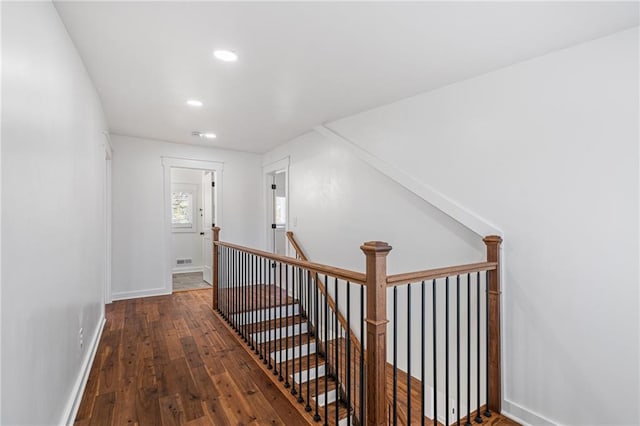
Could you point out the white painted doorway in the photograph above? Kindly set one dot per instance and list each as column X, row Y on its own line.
column 205, row 215
column 208, row 222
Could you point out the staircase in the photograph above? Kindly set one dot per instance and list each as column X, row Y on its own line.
column 280, row 333
column 304, row 323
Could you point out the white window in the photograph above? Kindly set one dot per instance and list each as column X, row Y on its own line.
column 182, row 209
column 281, row 211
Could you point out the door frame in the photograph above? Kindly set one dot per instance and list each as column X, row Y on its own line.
column 181, row 163
column 268, row 170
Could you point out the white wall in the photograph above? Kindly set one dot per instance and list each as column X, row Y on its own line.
column 548, row 151
column 139, row 240
column 337, row 202
column 188, row 244
column 53, row 221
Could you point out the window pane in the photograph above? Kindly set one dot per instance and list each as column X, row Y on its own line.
column 182, row 208
column 281, row 210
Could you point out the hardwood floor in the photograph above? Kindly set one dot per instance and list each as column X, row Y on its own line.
column 168, row 360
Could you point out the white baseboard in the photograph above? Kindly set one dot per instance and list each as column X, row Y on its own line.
column 71, row 409
column 523, row 415
column 124, row 295
column 186, row 269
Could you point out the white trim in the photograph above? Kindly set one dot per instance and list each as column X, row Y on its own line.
column 183, row 163
column 451, row 208
column 71, row 409
column 277, row 166
column 136, row 294
column 523, row 415
column 187, row 269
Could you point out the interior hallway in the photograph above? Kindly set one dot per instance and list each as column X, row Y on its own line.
column 168, row 360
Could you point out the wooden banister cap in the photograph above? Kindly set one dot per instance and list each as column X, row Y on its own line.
column 215, row 228
column 496, row 239
column 375, row 247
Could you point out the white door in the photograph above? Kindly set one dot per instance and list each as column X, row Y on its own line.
column 279, row 222
column 207, row 224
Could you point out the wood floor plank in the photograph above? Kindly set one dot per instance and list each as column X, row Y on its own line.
column 103, row 409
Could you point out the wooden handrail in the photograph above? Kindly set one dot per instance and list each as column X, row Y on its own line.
column 332, row 304
column 343, row 274
column 296, row 246
column 432, row 274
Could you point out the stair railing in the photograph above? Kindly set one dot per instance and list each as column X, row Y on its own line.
column 385, row 392
column 276, row 305
column 352, row 351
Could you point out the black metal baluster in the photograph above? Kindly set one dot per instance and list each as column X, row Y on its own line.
column 326, row 352
column 348, row 357
column 309, row 334
column 226, row 285
column 235, row 293
column 293, row 346
column 478, row 418
column 286, row 323
column 446, row 351
column 487, row 412
column 409, row 353
column 258, row 307
column 458, row 348
column 234, row 279
column 247, row 287
column 337, row 350
column 254, row 262
column 300, row 296
column 265, row 310
column 316, row 328
column 468, row 421
column 234, row 285
column 261, row 311
column 243, row 295
column 221, row 274
column 223, row 282
column 422, row 354
column 280, row 331
column 362, row 332
column 435, row 366
column 395, row 355
column 270, row 321
column 245, row 310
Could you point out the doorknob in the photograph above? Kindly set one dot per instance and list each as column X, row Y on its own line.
column 202, row 233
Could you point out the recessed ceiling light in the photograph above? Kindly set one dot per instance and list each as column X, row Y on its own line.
column 194, row 103
column 226, row 55
column 204, row 135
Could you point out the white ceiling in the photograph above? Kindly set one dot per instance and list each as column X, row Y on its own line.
column 302, row 64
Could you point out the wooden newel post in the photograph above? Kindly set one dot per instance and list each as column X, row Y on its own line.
column 494, row 400
column 216, row 237
column 376, row 378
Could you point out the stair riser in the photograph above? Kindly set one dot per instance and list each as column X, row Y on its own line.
column 263, row 315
